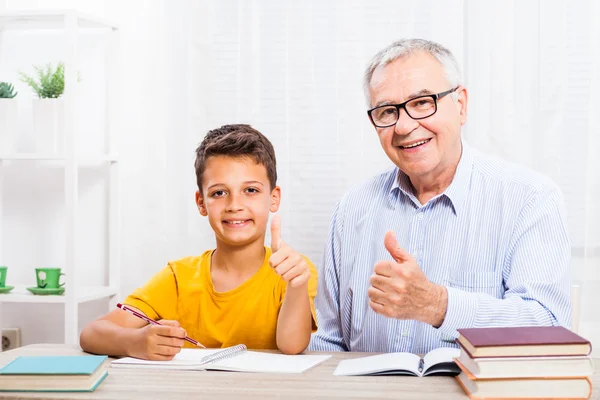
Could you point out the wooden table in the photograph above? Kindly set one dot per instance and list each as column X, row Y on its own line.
column 316, row 383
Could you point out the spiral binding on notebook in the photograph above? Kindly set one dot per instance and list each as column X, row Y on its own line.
column 223, row 354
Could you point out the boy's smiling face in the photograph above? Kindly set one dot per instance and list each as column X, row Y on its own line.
column 237, row 198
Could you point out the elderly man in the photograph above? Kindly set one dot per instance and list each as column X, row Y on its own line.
column 448, row 239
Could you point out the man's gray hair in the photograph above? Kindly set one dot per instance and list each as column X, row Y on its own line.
column 406, row 47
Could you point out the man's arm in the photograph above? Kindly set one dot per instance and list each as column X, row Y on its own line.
column 536, row 271
column 329, row 333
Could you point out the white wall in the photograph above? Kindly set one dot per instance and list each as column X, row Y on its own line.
column 32, row 216
column 293, row 70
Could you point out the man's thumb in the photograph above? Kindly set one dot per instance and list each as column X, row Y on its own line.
column 391, row 244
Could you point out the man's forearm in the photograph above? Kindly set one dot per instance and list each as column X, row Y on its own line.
column 473, row 310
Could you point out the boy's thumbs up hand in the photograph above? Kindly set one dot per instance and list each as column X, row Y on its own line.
column 399, row 289
column 288, row 263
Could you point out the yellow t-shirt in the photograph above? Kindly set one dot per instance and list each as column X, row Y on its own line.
column 183, row 291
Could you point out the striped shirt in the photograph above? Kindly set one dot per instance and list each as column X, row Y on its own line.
column 496, row 239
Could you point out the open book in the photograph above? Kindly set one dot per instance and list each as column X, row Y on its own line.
column 234, row 358
column 436, row 362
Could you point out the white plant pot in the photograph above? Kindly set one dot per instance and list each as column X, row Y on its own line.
column 8, row 125
column 48, row 125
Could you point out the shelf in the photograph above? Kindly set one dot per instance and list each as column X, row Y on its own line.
column 20, row 294
column 49, row 19
column 86, row 159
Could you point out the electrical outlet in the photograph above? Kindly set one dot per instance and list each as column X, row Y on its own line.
column 11, row 338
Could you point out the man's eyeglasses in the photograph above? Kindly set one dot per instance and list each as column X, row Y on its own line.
column 418, row 108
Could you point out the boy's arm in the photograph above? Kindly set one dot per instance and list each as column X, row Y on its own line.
column 294, row 324
column 119, row 333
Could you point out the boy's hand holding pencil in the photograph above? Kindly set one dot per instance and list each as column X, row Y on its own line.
column 287, row 262
column 159, row 342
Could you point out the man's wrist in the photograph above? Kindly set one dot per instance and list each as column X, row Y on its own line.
column 436, row 312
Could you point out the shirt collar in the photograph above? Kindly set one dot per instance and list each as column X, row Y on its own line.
column 457, row 191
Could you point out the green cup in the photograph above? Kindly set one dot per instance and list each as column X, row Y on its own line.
column 48, row 278
column 3, row 276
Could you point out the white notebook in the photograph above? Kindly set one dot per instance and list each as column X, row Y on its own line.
column 436, row 362
column 234, row 358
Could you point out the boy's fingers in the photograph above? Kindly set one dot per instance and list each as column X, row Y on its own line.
column 275, row 233
column 171, row 331
column 279, row 256
column 169, row 322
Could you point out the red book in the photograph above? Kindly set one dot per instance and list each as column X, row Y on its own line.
column 525, row 341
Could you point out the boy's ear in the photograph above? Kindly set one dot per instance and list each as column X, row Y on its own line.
column 275, row 199
column 200, row 204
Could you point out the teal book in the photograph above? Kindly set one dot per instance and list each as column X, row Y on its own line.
column 53, row 374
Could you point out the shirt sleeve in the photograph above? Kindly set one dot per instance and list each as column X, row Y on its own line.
column 536, row 273
column 329, row 335
column 158, row 297
column 313, row 284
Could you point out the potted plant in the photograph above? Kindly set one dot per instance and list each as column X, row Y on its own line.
column 48, row 115
column 8, row 117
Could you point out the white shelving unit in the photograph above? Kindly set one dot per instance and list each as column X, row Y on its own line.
column 72, row 23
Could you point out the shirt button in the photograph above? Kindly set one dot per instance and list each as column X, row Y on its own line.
column 420, row 215
column 404, row 334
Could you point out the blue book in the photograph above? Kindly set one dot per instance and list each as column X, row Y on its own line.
column 53, row 374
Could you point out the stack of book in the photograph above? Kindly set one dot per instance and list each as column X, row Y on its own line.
column 524, row 362
column 53, row 374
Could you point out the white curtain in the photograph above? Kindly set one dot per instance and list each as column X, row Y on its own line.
column 294, row 71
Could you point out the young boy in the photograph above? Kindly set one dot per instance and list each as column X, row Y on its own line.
column 240, row 293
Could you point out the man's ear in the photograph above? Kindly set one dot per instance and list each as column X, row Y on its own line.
column 200, row 204
column 275, row 199
column 463, row 102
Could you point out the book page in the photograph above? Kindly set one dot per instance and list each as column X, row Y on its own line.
column 248, row 361
column 186, row 359
column 441, row 361
column 251, row 361
column 382, row 364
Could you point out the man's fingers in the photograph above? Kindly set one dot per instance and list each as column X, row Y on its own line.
column 382, row 283
column 378, row 308
column 384, row 268
column 398, row 253
column 275, row 233
column 376, row 295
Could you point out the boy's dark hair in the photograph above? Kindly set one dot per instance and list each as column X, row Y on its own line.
column 237, row 140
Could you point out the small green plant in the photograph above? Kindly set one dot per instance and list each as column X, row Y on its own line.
column 50, row 83
column 7, row 90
